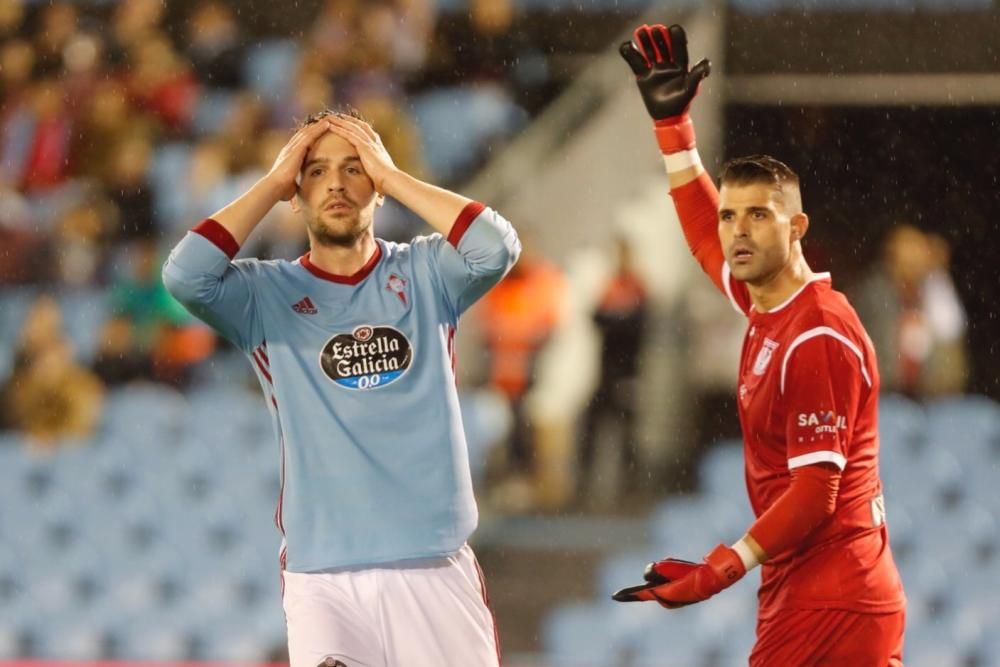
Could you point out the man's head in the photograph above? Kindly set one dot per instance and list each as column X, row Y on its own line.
column 335, row 195
column 760, row 217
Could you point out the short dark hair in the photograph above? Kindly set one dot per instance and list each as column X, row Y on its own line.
column 757, row 169
column 340, row 111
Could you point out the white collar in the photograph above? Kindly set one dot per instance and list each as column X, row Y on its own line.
column 816, row 276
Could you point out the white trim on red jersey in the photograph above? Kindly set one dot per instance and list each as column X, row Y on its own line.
column 826, row 456
column 816, row 276
column 726, row 275
column 822, row 331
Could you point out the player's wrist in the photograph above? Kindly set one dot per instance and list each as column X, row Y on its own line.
column 727, row 564
column 748, row 556
column 387, row 181
column 275, row 187
column 674, row 134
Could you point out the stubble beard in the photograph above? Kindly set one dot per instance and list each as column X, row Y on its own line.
column 326, row 234
column 761, row 270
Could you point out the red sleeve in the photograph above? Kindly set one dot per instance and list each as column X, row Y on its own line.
column 823, row 381
column 811, row 498
column 697, row 205
column 464, row 221
column 219, row 235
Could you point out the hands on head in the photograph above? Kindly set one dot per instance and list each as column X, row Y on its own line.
column 375, row 159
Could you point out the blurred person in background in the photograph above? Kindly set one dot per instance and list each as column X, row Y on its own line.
column 910, row 306
column 214, row 45
column 48, row 396
column 620, row 318
column 354, row 344
column 37, row 139
column 518, row 317
column 17, row 63
column 162, row 330
column 808, row 403
column 57, row 24
column 133, row 21
column 11, row 18
column 128, row 188
column 119, row 358
column 104, row 124
column 160, row 81
column 80, row 242
column 479, row 47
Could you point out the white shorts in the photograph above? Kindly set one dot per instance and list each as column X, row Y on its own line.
column 432, row 612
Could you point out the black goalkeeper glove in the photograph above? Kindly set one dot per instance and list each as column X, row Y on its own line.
column 658, row 57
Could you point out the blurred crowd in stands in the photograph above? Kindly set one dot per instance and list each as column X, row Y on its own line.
column 123, row 124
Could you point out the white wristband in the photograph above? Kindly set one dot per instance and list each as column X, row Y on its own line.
column 682, row 160
column 746, row 555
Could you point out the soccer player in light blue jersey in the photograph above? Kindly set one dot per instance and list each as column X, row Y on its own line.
column 353, row 344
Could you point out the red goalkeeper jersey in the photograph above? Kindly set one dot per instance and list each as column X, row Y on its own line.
column 807, row 394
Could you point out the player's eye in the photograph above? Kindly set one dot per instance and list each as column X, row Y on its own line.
column 316, row 172
column 353, row 171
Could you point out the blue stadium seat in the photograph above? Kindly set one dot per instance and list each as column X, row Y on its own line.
column 236, row 643
column 268, row 66
column 967, row 426
column 77, row 638
column 147, row 414
column 932, row 645
column 964, row 535
column 670, row 639
column 694, row 524
column 14, row 305
column 156, row 639
column 581, row 635
column 623, row 569
column 169, row 167
column 84, row 311
column 901, row 425
column 212, row 111
column 454, row 123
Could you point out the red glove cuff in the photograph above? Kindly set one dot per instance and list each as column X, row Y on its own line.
column 674, row 134
column 726, row 564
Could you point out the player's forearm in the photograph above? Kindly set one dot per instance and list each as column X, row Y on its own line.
column 243, row 214
column 695, row 196
column 696, row 202
column 810, row 500
column 437, row 206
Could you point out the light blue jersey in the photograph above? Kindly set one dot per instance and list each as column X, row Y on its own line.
column 358, row 373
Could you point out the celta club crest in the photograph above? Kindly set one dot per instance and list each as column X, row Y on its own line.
column 764, row 356
column 398, row 285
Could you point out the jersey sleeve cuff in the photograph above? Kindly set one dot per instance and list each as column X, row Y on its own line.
column 218, row 235
column 836, row 458
column 464, row 221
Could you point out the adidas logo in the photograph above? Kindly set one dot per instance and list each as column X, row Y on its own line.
column 305, row 307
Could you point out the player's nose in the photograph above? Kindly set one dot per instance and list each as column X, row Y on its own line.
column 334, row 183
column 741, row 229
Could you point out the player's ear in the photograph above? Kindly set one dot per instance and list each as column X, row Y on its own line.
column 294, row 201
column 379, row 199
column 800, row 225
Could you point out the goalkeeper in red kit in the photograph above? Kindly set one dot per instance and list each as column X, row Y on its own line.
column 830, row 593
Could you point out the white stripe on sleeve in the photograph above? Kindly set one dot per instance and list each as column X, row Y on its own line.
column 822, row 331
column 809, row 459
